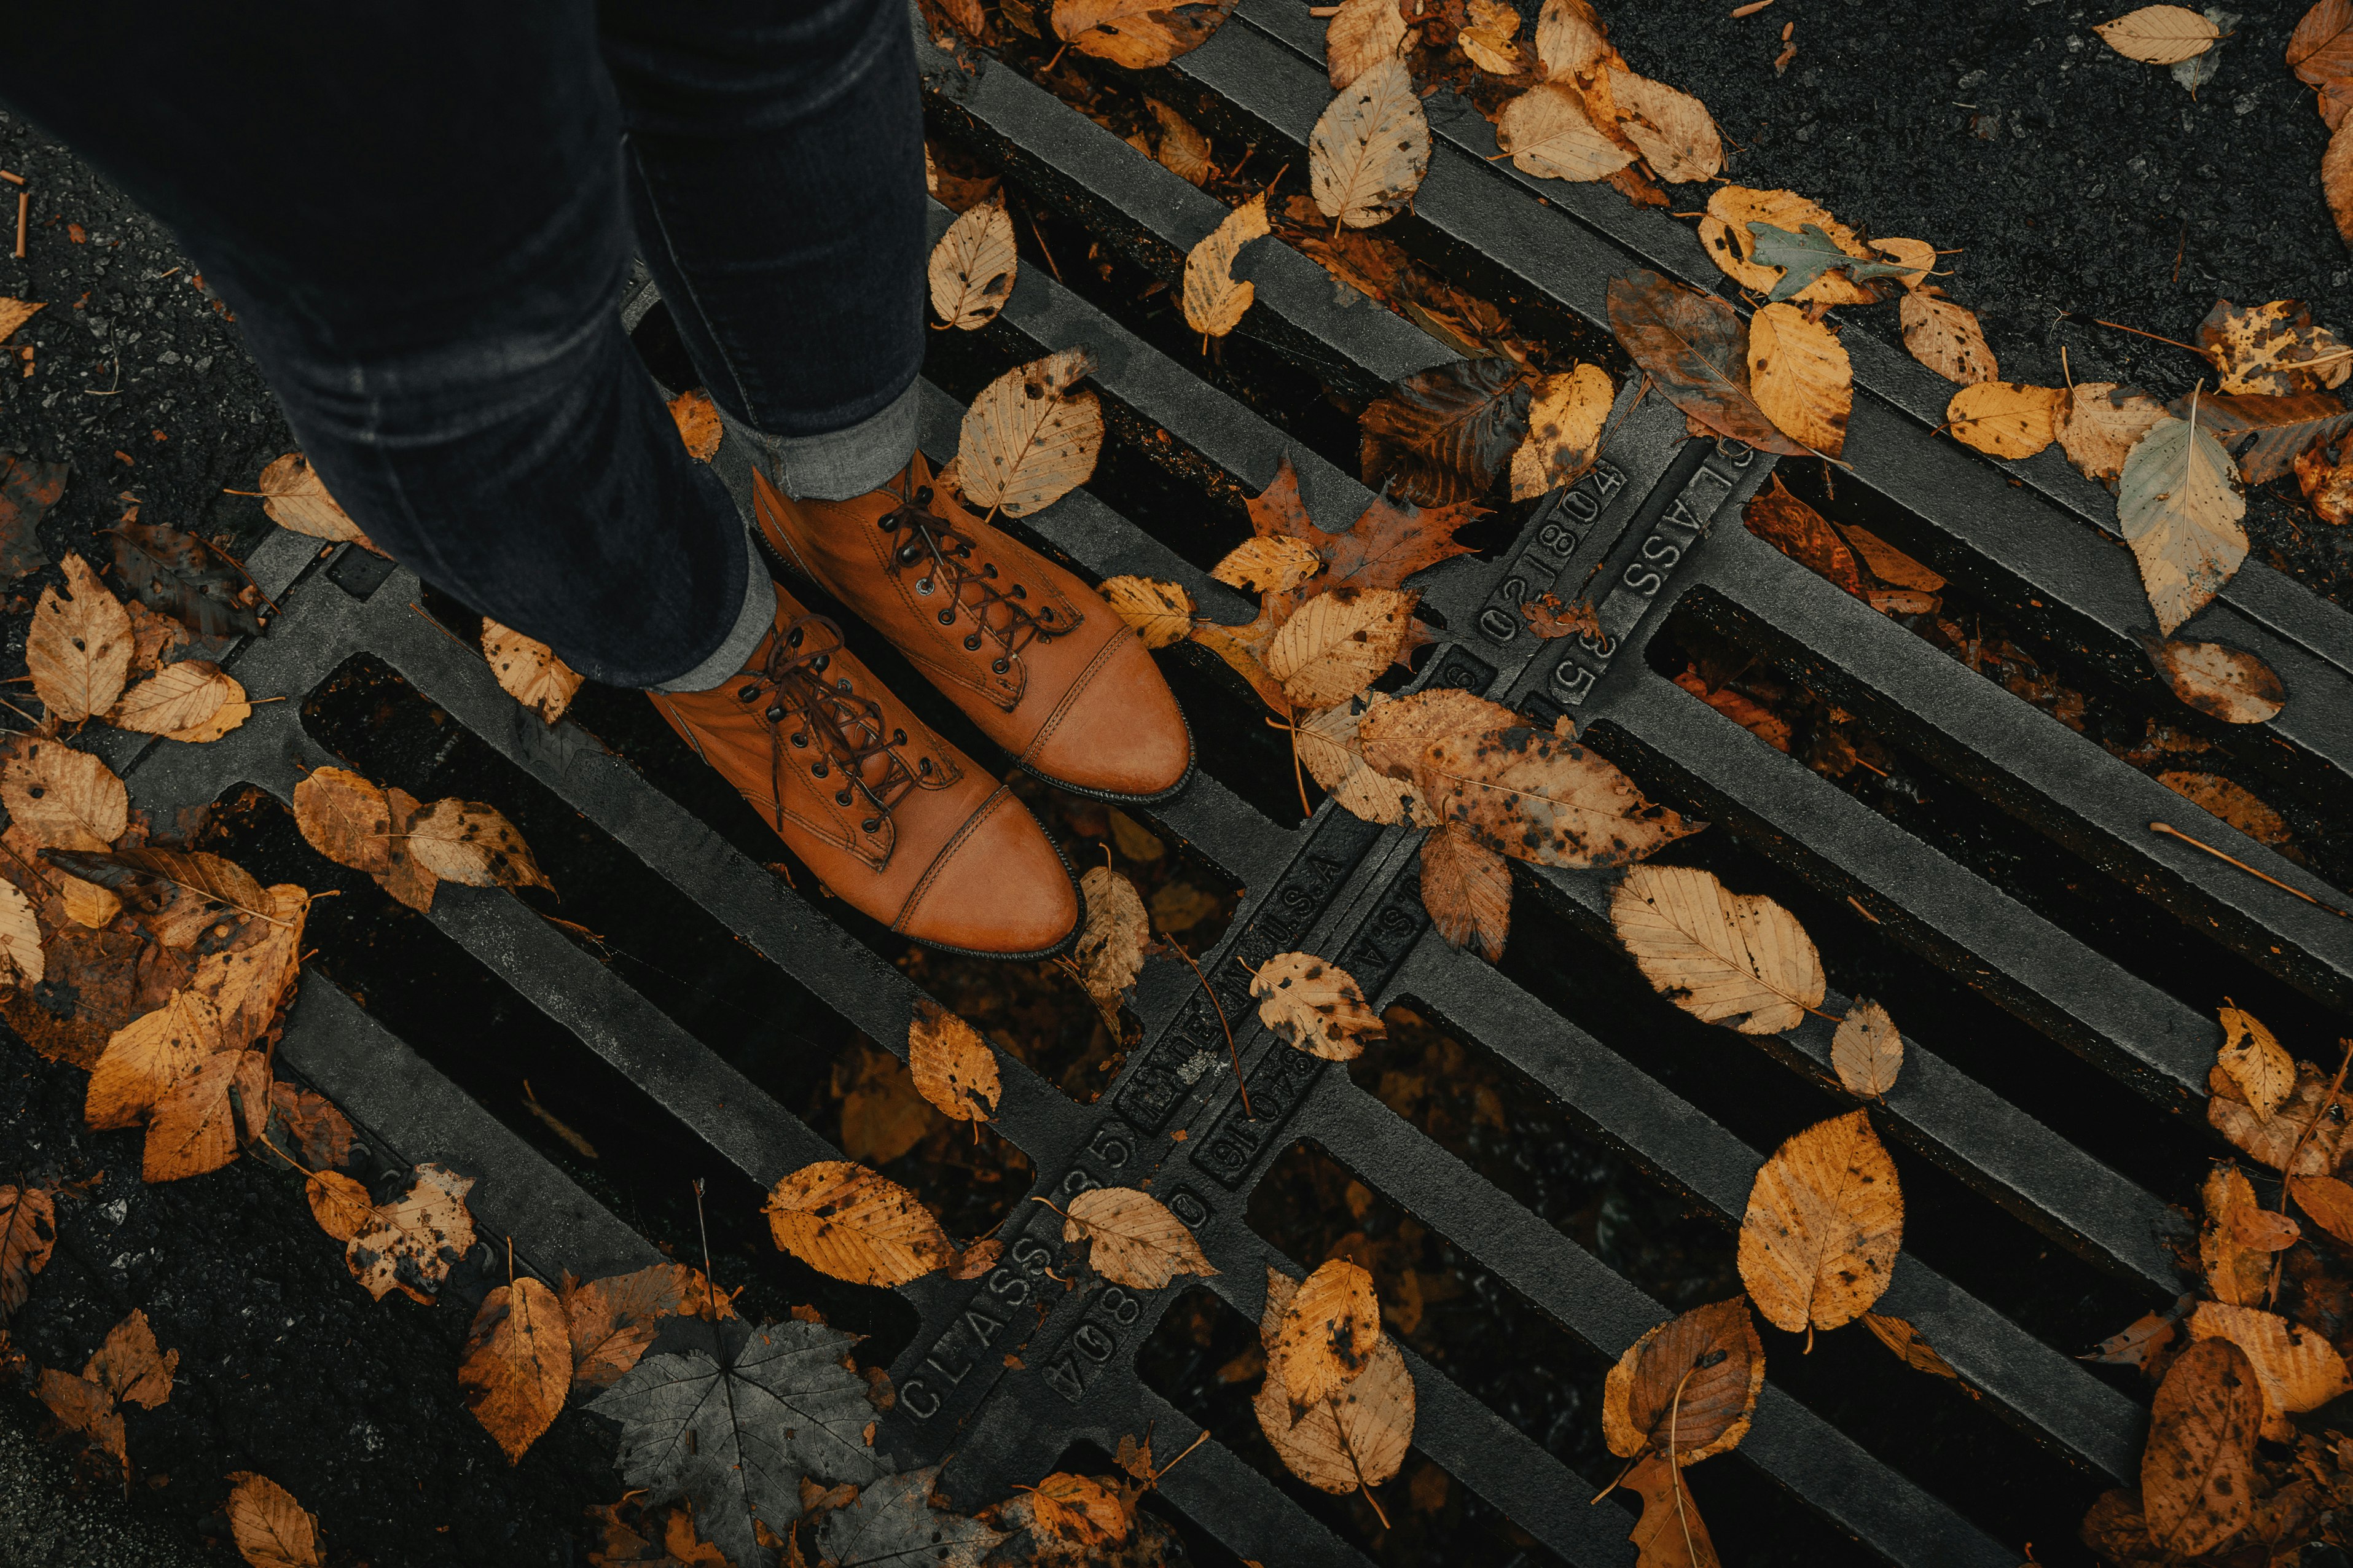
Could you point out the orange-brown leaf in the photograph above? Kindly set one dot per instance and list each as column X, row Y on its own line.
column 518, row 1363
column 1695, row 352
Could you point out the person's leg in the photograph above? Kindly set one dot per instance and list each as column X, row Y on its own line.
column 417, row 218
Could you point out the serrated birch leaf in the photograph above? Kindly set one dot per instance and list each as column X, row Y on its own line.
column 1133, row 1239
column 2295, row 1368
column 2160, row 35
column 1110, row 946
column 1567, row 416
column 2099, row 423
column 2179, row 507
column 1334, row 644
column 973, row 267
column 2235, row 1272
column 62, row 799
column 1269, row 563
column 2221, row 681
column 1696, row 352
column 1360, row 36
column 1214, row 300
column 466, row 842
column 1549, row 133
column 1329, row 750
column 1946, row 339
column 1867, row 1051
column 2256, row 1062
column 1032, row 436
column 1326, row 1334
column 1137, row 34
column 518, row 1365
column 1673, row 129
column 2198, row 1472
column 2004, row 418
column 1798, row 373
column 271, row 1529
column 1370, row 148
column 1315, row 1005
column 1466, row 887
column 180, row 695
column 294, row 497
column 77, row 649
column 1161, row 613
column 1824, row 1224
column 951, row 1065
column 410, row 1243
column 1724, row 957
column 529, row 671
column 1536, row 796
column 1356, row 1437
column 843, row 1219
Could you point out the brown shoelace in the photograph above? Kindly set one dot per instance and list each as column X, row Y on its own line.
column 843, row 729
column 946, row 556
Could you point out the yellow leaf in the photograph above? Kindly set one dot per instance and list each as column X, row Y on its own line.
column 1867, row 1052
column 2301, row 1123
column 2004, row 417
column 344, row 817
column 1671, row 1534
column 529, row 671
column 1916, row 254
column 179, row 697
column 517, row 1364
column 200, row 1120
column 131, row 1366
column 2198, row 1473
column 1725, row 234
column 1161, row 613
column 2256, row 1061
column 1570, row 39
column 1797, row 370
column 1566, row 418
column 1539, row 796
column 2178, row 504
column 21, row 962
column 1334, row 644
column 1137, row 34
column 951, row 1066
column 148, row 1057
column 2297, row 1368
column 1370, row 148
column 1110, row 951
column 79, row 648
column 295, row 497
column 1326, row 1334
column 1077, row 1512
column 2235, row 1272
column 1315, row 1005
column 2099, row 423
column 62, row 799
column 1905, row 1340
column 1356, row 1438
column 1673, row 129
column 2160, row 35
column 1184, row 151
column 1549, row 135
column 1361, row 35
column 844, row 1220
column 1330, row 751
column 270, row 1528
column 1268, row 563
column 1946, row 339
column 973, row 267
column 1825, row 1221
column 15, row 314
column 1133, row 1239
column 1724, row 957
column 340, row 1205
column 1214, row 301
column 1032, row 435
column 466, row 841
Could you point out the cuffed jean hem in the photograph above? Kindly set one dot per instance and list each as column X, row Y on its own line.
column 832, row 467
column 751, row 623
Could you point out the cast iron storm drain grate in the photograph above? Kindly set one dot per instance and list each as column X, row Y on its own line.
column 1647, row 525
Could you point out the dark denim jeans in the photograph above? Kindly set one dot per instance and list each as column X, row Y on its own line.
column 417, row 212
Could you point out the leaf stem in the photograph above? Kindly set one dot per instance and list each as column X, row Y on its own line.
column 1232, row 1049
column 2173, row 832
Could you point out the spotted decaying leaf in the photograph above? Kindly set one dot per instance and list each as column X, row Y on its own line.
column 2273, row 349
column 2219, row 681
column 1694, row 350
column 2231, row 801
column 1488, row 42
column 340, row 1204
column 1824, row 1224
column 2255, row 1061
column 844, row 1220
column 2327, row 482
column 1161, row 613
column 271, row 1529
column 149, row 1057
column 2178, row 504
column 201, row 1122
column 78, row 649
column 1539, row 796
column 1315, row 1005
column 1138, row 34
column 2300, row 1124
column 1867, row 1051
column 1331, row 751
column 2320, row 50
column 29, row 1234
column 1687, row 1388
column 2297, row 1369
column 1073, row 1511
column 1361, row 35
column 1567, row 415
column 1111, row 948
column 897, row 1519
column 1214, row 300
column 1731, row 241
column 973, row 267
column 951, row 1066
column 2099, row 423
column 1327, row 1333
column 467, row 842
column 1444, row 435
column 344, row 817
column 529, row 671
column 2236, row 1273
column 1133, row 1238
column 2004, row 418
column 1356, row 1438
column 1467, row 889
column 1673, row 129
column 1335, row 644
column 21, row 960
column 1031, row 436
column 1370, row 147
column 1798, row 373
column 1549, row 133
column 294, row 497
column 1670, row 1533
column 1947, row 338
column 411, row 1243
column 518, row 1365
column 1724, row 957
column 62, row 799
column 1267, row 563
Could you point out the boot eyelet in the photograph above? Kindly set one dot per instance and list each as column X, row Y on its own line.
column 749, row 694
column 1045, row 614
column 971, row 643
column 800, row 737
column 842, row 798
column 922, row 585
column 988, row 569
column 898, row 737
column 817, row 769
column 923, row 766
column 1020, row 592
column 793, row 638
column 842, row 684
column 923, row 495
column 872, row 824
column 819, row 662
column 948, row 618
column 1000, row 666
column 776, row 715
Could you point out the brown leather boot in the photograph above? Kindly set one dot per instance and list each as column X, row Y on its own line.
column 1039, row 662
column 897, row 822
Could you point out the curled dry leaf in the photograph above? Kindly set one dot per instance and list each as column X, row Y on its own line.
column 1133, row 1239
column 1330, row 751
column 844, row 1220
column 2300, row 1124
column 1947, row 338
column 1729, row 233
column 1334, row 644
column 611, row 1322
column 294, row 497
column 2297, row 1369
column 2256, row 1062
column 1078, row 1511
column 1184, row 151
column 1161, row 613
column 269, row 1527
column 1467, row 889
column 1315, row 1005
column 200, row 1122
column 1798, row 373
column 1360, row 36
column 1443, row 435
column 2179, row 507
column 411, row 1243
column 2221, row 681
column 2160, row 35
column 1356, row 1437
column 1736, row 959
column 1671, row 1534
column 2328, row 485
column 1214, row 300
column 1111, row 949
column 1824, row 1224
column 1694, row 351
column 529, row 671
column 1539, row 796
column 62, row 799
column 1370, row 147
column 951, row 1065
column 29, row 1234
column 130, row 1366
column 1867, row 1052
column 2003, row 417
column 1138, row 34
column 2099, row 423
column 1673, row 129
column 467, row 842
column 344, row 817
column 78, row 649
column 2235, row 1272
column 2230, row 801
column 1909, row 1347
column 1549, row 133
column 1269, row 563
column 696, row 418
column 1567, row 415
column 1688, row 1387
column 1488, row 42
column 973, row 267
column 517, row 1364
column 1032, row 435
column 1324, row 1335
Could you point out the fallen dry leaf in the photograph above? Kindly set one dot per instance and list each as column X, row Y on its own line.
column 1488, row 42
column 2160, row 35
column 1356, row 1437
column 1266, row 564
column 2221, row 681
column 467, row 842
column 951, row 1065
column 2328, row 1201
column 1824, row 1224
column 29, row 488
column 1214, row 301
column 1726, row 233
column 1111, row 948
column 1724, row 957
column 1567, row 415
column 294, row 497
column 1539, row 796
column 2336, row 179
column 1671, row 1534
column 1315, row 1005
column 1803, row 257
column 271, row 1529
column 1137, row 34
column 1032, row 436
column 1069, row 1511
column 148, row 1057
column 344, row 817
column 2265, row 434
column 2297, row 1369
column 1161, row 613
column 1571, row 40
column 1467, row 889
column 1804, row 535
column 321, row 1133
column 2256, row 1061
column 180, row 574
column 1549, row 133
column 1133, row 1238
column 2236, row 1273
column 2099, row 423
column 611, row 1322
column 340, row 1204
column 973, row 267
column 82, row 1406
column 411, row 1243
column 29, row 1234
column 1673, row 129
column 79, row 648
column 1946, row 339
column 529, row 671
column 1326, row 1334
column 2320, row 50
column 1549, row 618
column 696, row 418
column 1798, row 373
column 1370, row 147
column 1360, row 35
column 2229, row 801
column 1330, row 751
column 2265, row 1230
column 1905, row 1340
column 2328, row 485
column 2141, row 1342
column 2273, row 349
column 200, row 1122
column 62, row 799
column 130, row 1366
column 1444, row 435
column 2300, row 1124
column 844, row 1220
column 1184, row 151
column 1693, row 348
column 1867, row 1051
column 2004, row 417
column 1333, row 645
column 1687, row 1388
column 2179, row 508
column 179, row 700
column 15, row 314
column 517, row 1364
column 21, row 961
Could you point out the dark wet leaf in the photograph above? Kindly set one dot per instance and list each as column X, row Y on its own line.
column 29, row 488
column 146, row 879
column 1694, row 349
column 1443, row 435
column 894, row 1522
column 2266, row 434
column 187, row 579
column 1804, row 535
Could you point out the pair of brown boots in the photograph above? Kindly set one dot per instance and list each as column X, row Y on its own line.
column 898, row 823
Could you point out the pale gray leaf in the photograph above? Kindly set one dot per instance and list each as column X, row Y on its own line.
column 893, row 1525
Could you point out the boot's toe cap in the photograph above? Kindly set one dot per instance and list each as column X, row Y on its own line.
column 998, row 887
column 1118, row 730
